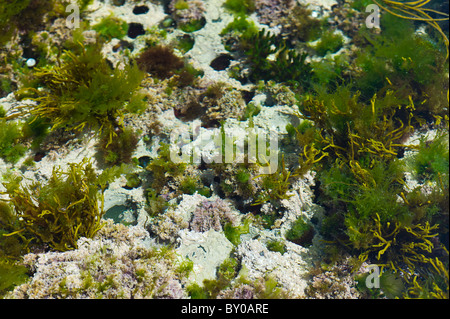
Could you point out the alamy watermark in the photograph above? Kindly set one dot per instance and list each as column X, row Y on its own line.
column 225, row 145
column 73, row 20
column 373, row 279
column 373, row 19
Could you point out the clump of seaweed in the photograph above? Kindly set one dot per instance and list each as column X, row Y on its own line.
column 330, row 42
column 11, row 275
column 111, row 27
column 84, row 92
column 160, row 61
column 417, row 11
column 431, row 159
column 275, row 186
column 11, row 148
column 241, row 8
column 288, row 65
column 10, row 247
column 354, row 145
column 168, row 180
column 300, row 25
column 407, row 59
column 61, row 211
column 120, row 149
column 412, row 252
column 22, row 15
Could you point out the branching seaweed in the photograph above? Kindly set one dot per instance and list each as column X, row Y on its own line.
column 415, row 10
column 67, row 207
column 84, row 92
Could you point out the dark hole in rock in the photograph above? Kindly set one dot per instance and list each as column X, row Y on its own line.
column 221, row 62
column 116, row 213
column 401, row 152
column 247, row 96
column 123, row 45
column 110, row 64
column 143, row 161
column 306, row 239
column 140, row 10
column 39, row 156
column 135, row 30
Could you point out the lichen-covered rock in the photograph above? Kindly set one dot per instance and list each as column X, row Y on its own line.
column 338, row 282
column 187, row 11
column 270, row 11
column 120, row 262
column 288, row 269
column 226, row 103
column 212, row 214
column 194, row 212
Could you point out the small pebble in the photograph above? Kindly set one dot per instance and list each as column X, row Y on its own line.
column 31, row 62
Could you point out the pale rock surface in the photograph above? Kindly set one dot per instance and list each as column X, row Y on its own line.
column 207, row 250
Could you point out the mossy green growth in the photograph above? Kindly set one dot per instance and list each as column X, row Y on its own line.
column 163, row 170
column 240, row 26
column 240, row 7
column 226, row 272
column 330, row 42
column 35, row 129
column 23, row 15
column 301, row 25
column 274, row 186
column 111, row 27
column 67, row 207
column 400, row 56
column 11, row 148
column 329, row 71
column 251, row 110
column 133, row 181
column 181, row 5
column 11, row 247
column 193, row 25
column 192, row 184
column 233, row 233
column 84, row 4
column 84, row 92
column 301, row 233
column 276, row 245
column 432, row 158
column 11, row 275
column 186, row 43
column 360, row 5
column 288, row 66
column 118, row 150
column 6, row 86
column 2, row 111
